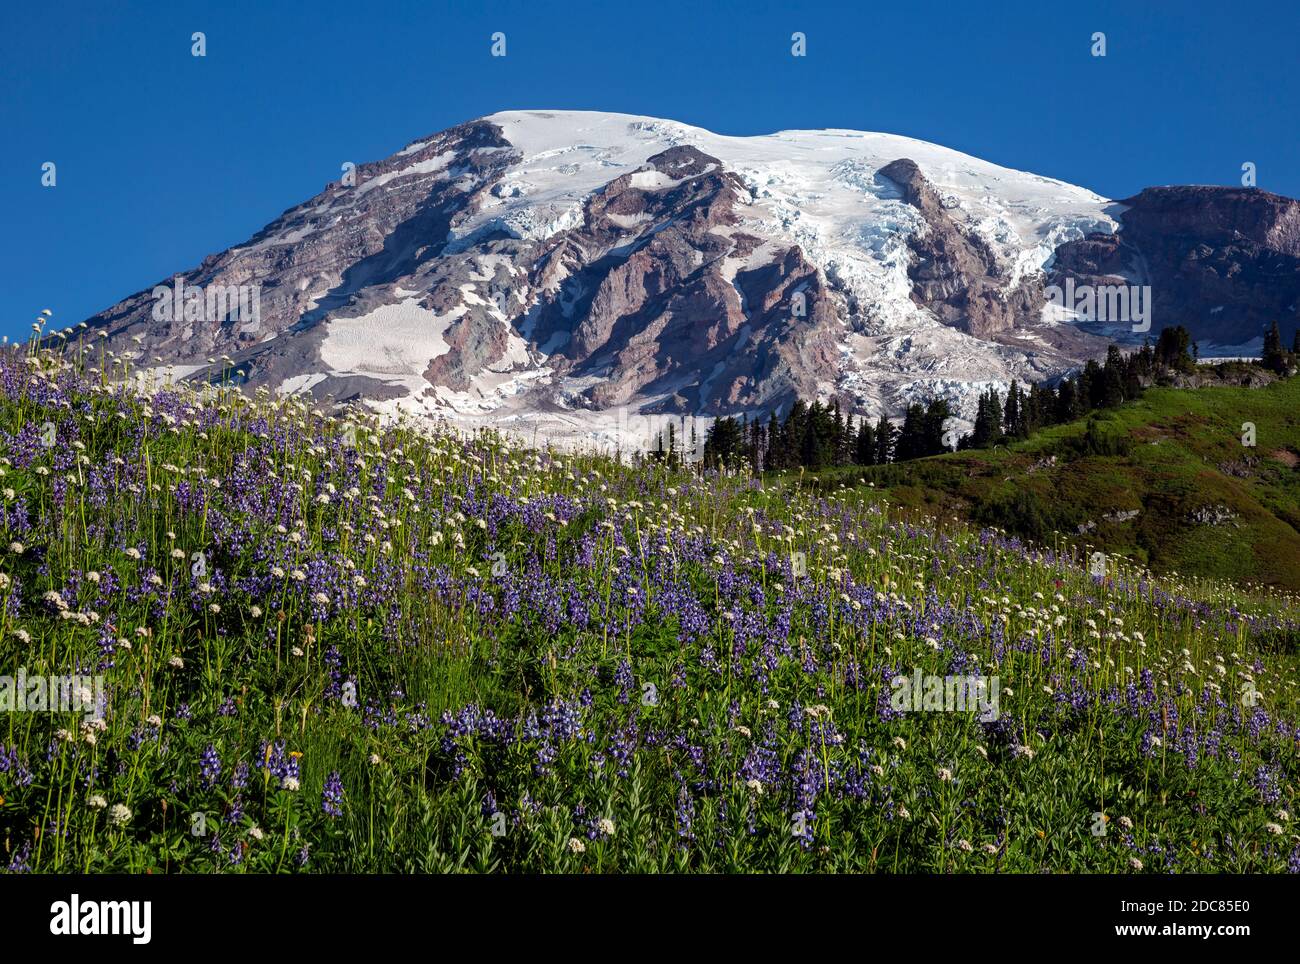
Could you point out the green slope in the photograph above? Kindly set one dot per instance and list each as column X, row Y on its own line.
column 1185, row 455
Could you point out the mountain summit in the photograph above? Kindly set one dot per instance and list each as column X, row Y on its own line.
column 549, row 270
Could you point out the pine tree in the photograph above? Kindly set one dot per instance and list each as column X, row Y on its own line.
column 1067, row 401
column 1132, row 377
column 792, row 433
column 865, row 450
column 976, row 439
column 1038, row 407
column 911, row 436
column 723, row 443
column 1172, row 349
column 1145, row 359
column 819, row 441
column 936, row 414
column 1011, row 416
column 756, row 447
column 884, row 441
column 773, row 457
column 1273, row 357
column 1113, row 378
column 837, row 434
column 1092, row 387
column 988, row 420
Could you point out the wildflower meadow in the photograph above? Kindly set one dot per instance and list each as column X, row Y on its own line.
column 252, row 636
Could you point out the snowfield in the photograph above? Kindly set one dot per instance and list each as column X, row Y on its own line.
column 819, row 189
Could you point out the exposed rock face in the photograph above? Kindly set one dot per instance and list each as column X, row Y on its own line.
column 348, row 235
column 553, row 269
column 1233, row 376
column 664, row 315
column 956, row 274
column 320, row 258
column 1212, row 515
column 673, row 316
column 1224, row 262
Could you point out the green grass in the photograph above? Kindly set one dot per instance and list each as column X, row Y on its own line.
column 1184, row 444
column 620, row 669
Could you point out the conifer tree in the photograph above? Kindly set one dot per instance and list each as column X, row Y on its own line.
column 884, row 441
column 1273, row 357
column 865, row 451
column 1011, row 419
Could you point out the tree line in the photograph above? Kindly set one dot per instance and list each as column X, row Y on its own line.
column 1274, row 357
column 818, row 436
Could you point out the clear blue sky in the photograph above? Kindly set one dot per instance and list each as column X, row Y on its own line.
column 163, row 158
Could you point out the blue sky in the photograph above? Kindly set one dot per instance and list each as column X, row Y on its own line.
column 162, row 158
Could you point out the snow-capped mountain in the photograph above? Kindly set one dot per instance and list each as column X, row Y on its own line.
column 554, row 272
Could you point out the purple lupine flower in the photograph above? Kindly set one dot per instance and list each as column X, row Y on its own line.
column 332, row 797
column 210, row 766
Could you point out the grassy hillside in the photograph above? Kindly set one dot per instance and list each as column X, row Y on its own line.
column 397, row 649
column 1207, row 505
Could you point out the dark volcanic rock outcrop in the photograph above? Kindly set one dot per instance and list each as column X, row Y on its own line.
column 1222, row 261
column 954, row 273
column 670, row 315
